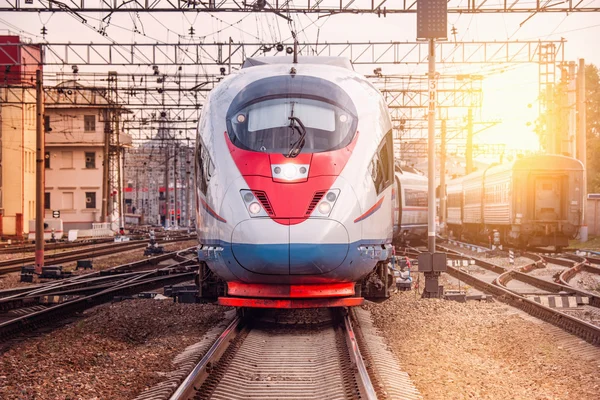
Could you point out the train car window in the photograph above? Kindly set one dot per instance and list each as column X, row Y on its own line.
column 274, row 125
column 415, row 198
column 454, row 200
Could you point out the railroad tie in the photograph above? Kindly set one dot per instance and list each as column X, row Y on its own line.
column 561, row 301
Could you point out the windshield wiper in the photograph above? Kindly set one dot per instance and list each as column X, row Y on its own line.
column 297, row 146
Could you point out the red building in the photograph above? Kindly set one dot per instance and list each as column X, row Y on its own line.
column 18, row 61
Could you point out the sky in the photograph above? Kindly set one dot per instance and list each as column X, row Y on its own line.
column 510, row 93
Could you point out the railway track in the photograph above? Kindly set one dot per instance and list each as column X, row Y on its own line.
column 253, row 359
column 30, row 248
column 14, row 265
column 48, row 303
column 290, row 354
column 526, row 292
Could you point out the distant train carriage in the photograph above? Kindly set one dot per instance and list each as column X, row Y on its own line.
column 410, row 208
column 533, row 201
column 454, row 202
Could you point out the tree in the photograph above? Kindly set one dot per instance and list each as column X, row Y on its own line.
column 592, row 88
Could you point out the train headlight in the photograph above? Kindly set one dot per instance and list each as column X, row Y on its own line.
column 323, row 209
column 254, row 208
column 290, row 171
column 252, row 204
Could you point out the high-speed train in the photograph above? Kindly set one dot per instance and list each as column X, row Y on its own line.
column 295, row 186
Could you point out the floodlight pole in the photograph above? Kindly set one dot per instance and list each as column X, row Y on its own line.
column 431, row 149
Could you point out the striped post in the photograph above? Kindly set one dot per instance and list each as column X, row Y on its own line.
column 511, row 257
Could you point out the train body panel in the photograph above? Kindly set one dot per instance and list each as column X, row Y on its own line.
column 294, row 165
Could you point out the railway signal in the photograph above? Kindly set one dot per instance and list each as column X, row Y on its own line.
column 432, row 24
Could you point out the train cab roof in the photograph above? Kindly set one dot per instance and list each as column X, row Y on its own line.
column 547, row 162
column 341, row 62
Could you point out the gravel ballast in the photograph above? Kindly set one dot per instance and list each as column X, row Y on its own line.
column 481, row 350
column 113, row 353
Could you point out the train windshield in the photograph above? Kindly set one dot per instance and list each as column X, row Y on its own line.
column 295, row 124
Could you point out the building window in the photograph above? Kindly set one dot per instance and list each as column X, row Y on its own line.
column 90, row 199
column 67, row 201
column 90, row 160
column 67, row 159
column 47, row 124
column 47, row 160
column 89, row 123
column 47, row 200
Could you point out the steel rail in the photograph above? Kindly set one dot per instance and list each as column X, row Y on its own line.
column 576, row 326
column 221, row 349
column 26, row 248
column 505, row 275
column 136, row 284
column 198, row 375
column 365, row 387
column 584, row 330
column 46, row 286
column 64, row 257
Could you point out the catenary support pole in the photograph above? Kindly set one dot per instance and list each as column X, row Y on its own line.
column 469, row 144
column 39, row 173
column 166, row 185
column 176, row 198
column 582, row 144
column 105, row 166
column 431, row 148
column 443, row 176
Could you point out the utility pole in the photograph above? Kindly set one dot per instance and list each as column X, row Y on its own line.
column 167, row 217
column 469, row 149
column 443, row 176
column 229, row 59
column 40, row 181
column 432, row 24
column 582, row 143
column 105, row 165
column 137, row 188
column 175, row 223
column 188, row 209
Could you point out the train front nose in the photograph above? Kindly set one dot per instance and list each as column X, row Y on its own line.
column 312, row 247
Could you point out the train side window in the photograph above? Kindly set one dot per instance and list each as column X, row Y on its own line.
column 382, row 164
column 201, row 166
